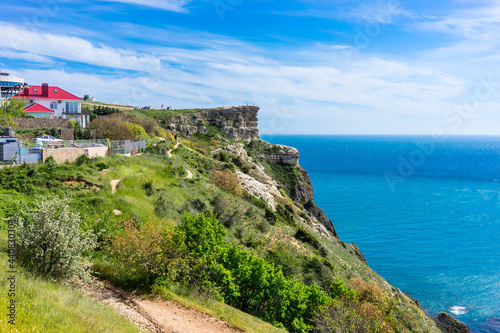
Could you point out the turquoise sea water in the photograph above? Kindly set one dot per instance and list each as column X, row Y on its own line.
column 425, row 214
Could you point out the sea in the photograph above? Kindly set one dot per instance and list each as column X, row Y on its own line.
column 425, row 212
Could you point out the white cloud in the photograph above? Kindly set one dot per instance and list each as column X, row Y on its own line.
column 309, row 90
column 73, row 49
column 477, row 23
column 373, row 11
column 32, row 57
column 168, row 5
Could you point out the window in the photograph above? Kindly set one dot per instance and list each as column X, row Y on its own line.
column 35, row 89
column 71, row 107
column 53, row 105
column 55, row 90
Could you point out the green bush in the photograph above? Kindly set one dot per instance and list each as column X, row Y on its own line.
column 148, row 188
column 50, row 241
column 259, row 203
column 307, row 237
column 242, row 280
column 138, row 130
column 82, row 159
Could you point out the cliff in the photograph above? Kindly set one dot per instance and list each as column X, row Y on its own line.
column 272, row 175
column 237, row 122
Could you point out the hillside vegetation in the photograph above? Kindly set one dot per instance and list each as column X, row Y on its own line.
column 208, row 238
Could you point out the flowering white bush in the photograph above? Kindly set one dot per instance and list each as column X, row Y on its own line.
column 50, row 240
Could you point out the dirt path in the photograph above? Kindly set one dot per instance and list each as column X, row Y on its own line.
column 114, row 184
column 189, row 174
column 156, row 315
column 173, row 317
column 169, row 153
column 125, row 308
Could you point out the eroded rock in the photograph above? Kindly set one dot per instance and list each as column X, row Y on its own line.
column 256, row 188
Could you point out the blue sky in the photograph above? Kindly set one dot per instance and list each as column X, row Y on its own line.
column 313, row 66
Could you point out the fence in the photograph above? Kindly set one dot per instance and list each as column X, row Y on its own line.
column 29, row 155
column 126, row 147
column 73, row 144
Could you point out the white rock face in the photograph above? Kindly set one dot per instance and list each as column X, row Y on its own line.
column 238, row 150
column 319, row 228
column 256, row 188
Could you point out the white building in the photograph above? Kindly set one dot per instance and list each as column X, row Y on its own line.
column 10, row 85
column 53, row 102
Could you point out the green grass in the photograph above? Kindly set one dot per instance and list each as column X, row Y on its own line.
column 162, row 114
column 44, row 306
column 96, row 207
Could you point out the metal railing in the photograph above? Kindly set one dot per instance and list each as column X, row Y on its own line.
column 125, row 147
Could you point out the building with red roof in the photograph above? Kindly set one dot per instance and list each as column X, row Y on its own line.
column 50, row 101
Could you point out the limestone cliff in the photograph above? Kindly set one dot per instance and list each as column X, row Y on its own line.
column 237, row 122
column 283, row 163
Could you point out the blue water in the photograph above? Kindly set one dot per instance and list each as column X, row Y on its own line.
column 425, row 213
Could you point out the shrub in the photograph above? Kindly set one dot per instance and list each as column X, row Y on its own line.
column 369, row 292
column 138, row 130
column 285, row 215
column 163, row 206
column 226, row 180
column 54, row 131
column 82, row 159
column 348, row 316
column 263, row 226
column 259, row 203
column 307, row 237
column 222, row 156
column 284, row 255
column 147, row 248
column 111, row 128
column 50, row 241
column 148, row 188
column 244, row 281
column 270, row 215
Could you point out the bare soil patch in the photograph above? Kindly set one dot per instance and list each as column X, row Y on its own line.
column 114, row 184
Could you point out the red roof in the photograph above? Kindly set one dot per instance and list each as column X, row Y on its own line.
column 35, row 92
column 37, row 108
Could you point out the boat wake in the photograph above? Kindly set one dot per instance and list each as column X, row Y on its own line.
column 458, row 310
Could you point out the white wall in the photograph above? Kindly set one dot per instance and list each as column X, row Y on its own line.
column 61, row 107
column 40, row 114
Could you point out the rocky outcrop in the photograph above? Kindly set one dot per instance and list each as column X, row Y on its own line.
column 303, row 193
column 188, row 130
column 237, row 122
column 238, row 150
column 448, row 324
column 256, row 188
column 282, row 154
column 357, row 252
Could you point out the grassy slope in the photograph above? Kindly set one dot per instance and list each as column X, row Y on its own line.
column 132, row 200
column 44, row 306
column 153, row 113
column 182, row 194
column 244, row 230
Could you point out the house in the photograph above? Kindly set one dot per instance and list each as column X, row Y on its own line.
column 10, row 85
column 53, row 102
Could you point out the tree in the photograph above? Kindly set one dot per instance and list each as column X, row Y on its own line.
column 11, row 108
column 50, row 241
column 110, row 128
column 226, row 180
column 86, row 97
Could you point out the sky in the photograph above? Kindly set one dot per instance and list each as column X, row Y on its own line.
column 312, row 66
